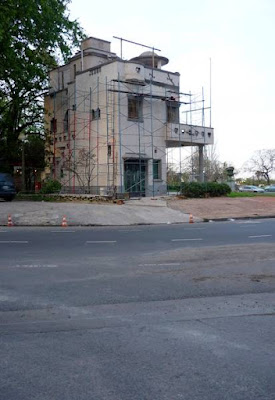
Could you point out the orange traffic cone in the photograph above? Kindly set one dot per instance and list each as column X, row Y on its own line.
column 64, row 221
column 191, row 220
column 10, row 221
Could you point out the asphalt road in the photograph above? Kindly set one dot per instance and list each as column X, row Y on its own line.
column 148, row 312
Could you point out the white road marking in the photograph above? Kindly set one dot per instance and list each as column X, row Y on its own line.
column 131, row 230
column 258, row 236
column 100, row 241
column 194, row 229
column 184, row 240
column 159, row 265
column 169, row 264
column 35, row 266
column 64, row 231
column 249, row 222
column 14, row 241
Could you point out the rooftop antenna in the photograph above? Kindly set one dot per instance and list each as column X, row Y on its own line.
column 210, row 92
column 138, row 44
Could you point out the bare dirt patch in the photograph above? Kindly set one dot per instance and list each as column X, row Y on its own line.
column 225, row 207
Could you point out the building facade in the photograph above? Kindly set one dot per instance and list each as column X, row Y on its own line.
column 111, row 121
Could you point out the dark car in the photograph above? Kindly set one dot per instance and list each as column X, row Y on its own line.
column 7, row 188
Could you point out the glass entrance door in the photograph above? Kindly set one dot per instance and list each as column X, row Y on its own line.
column 134, row 177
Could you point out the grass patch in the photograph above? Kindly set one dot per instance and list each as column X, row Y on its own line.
column 250, row 194
column 267, row 194
column 241, row 194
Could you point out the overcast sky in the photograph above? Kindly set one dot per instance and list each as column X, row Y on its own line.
column 238, row 36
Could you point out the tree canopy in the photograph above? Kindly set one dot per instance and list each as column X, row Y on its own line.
column 214, row 169
column 35, row 35
column 262, row 164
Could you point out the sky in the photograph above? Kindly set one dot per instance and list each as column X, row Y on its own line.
column 237, row 35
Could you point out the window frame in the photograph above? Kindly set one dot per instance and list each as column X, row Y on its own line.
column 66, row 122
column 172, row 112
column 157, row 164
column 95, row 114
column 135, row 108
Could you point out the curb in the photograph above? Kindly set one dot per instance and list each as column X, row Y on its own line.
column 97, row 225
column 238, row 218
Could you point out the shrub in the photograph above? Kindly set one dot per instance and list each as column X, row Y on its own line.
column 207, row 189
column 173, row 187
column 51, row 186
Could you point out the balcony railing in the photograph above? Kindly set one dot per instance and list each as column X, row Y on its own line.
column 188, row 135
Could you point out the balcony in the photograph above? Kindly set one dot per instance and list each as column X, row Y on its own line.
column 188, row 135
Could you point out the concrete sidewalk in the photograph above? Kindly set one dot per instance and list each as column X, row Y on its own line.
column 133, row 212
column 158, row 210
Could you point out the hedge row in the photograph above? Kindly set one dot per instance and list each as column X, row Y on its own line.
column 51, row 186
column 174, row 187
column 207, row 189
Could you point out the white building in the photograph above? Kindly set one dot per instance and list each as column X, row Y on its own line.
column 111, row 121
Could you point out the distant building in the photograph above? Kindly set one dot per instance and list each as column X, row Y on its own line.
column 110, row 122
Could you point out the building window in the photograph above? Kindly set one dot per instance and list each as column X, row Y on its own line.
column 96, row 114
column 109, row 150
column 135, row 108
column 172, row 112
column 156, row 169
column 66, row 121
column 53, row 125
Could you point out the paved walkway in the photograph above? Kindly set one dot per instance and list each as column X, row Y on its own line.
column 134, row 212
column 161, row 210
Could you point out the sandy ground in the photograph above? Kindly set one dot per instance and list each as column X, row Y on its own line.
column 224, row 207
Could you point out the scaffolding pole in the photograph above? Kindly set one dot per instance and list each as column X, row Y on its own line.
column 97, row 134
column 152, row 137
column 74, row 136
column 179, row 139
column 120, row 139
column 54, row 135
column 107, row 133
column 89, row 133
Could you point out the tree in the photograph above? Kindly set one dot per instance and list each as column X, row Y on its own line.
column 214, row 170
column 82, row 168
column 34, row 36
column 175, row 177
column 262, row 164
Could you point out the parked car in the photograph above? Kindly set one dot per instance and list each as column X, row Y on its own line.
column 7, row 188
column 251, row 188
column 270, row 188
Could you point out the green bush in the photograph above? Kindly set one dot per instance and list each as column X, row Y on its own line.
column 173, row 187
column 51, row 186
column 207, row 189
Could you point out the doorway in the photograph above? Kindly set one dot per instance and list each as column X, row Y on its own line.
column 134, row 177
